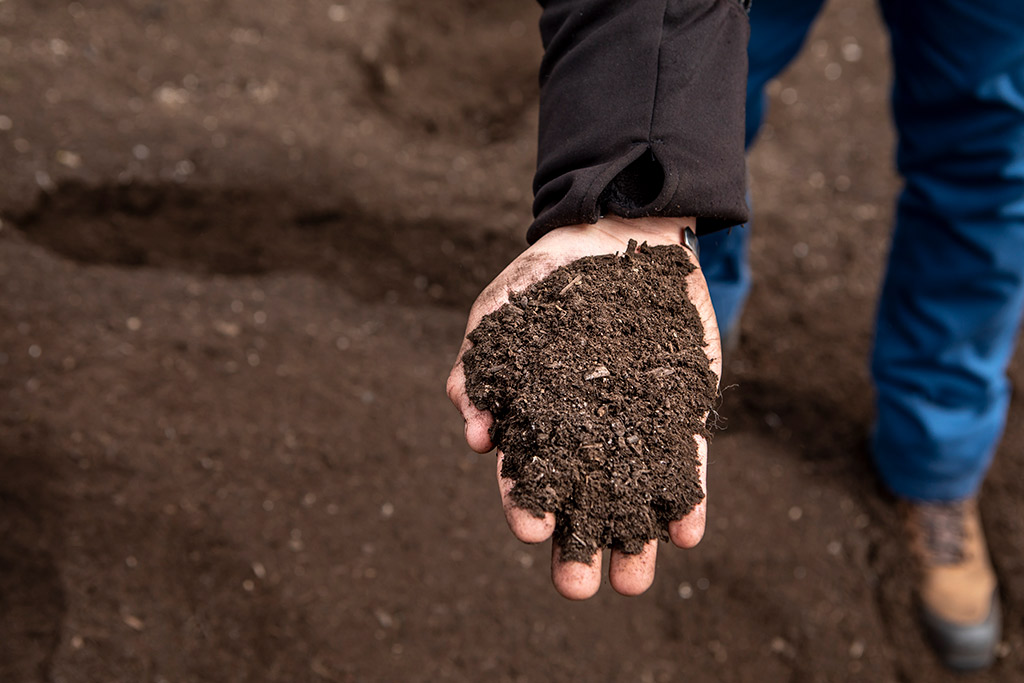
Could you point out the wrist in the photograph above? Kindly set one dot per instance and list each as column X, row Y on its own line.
column 654, row 230
column 657, row 229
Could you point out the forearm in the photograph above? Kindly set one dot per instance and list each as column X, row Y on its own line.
column 641, row 112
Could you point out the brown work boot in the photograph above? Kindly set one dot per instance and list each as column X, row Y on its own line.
column 957, row 587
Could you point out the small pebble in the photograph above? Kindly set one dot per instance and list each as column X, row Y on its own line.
column 184, row 168
column 337, row 13
column 227, row 329
column 44, row 181
column 169, row 96
column 68, row 158
column 383, row 618
column 133, row 622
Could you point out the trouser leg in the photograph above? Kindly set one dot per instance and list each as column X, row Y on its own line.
column 723, row 258
column 954, row 288
column 777, row 31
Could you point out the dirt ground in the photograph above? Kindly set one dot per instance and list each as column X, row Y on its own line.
column 239, row 240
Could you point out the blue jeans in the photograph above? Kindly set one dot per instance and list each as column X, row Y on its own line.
column 953, row 294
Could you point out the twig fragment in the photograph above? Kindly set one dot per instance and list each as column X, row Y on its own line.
column 575, row 281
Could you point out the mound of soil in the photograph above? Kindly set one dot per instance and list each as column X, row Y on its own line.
column 598, row 382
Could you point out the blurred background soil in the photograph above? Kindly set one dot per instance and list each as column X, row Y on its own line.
column 239, row 241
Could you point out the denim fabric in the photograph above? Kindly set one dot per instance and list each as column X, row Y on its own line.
column 953, row 294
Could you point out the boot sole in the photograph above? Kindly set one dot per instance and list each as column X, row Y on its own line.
column 965, row 648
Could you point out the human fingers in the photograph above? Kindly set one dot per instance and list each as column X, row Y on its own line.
column 526, row 526
column 478, row 422
column 633, row 574
column 687, row 532
column 575, row 580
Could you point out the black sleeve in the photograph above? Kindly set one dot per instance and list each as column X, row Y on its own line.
column 641, row 112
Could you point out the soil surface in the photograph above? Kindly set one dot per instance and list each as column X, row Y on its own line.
column 239, row 242
column 598, row 381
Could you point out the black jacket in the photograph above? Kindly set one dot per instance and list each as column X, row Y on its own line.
column 641, row 112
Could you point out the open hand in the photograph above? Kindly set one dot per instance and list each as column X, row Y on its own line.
column 628, row 574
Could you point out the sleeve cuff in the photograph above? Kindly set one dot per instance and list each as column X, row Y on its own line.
column 642, row 112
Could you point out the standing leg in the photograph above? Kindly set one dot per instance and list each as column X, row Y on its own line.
column 954, row 290
column 953, row 296
column 777, row 31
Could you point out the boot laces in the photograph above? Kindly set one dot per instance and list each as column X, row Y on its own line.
column 945, row 533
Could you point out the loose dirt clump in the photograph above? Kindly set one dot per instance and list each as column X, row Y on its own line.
column 598, row 381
